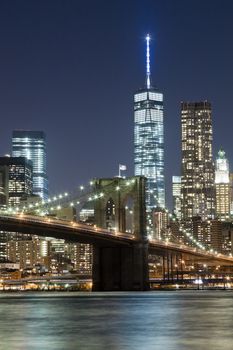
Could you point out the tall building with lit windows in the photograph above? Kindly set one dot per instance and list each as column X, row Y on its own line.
column 18, row 178
column 15, row 184
column 222, row 186
column 176, row 196
column 32, row 145
column 197, row 180
column 149, row 139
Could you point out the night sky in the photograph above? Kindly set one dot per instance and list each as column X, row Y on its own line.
column 70, row 68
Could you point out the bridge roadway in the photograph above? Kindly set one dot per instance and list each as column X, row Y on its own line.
column 83, row 233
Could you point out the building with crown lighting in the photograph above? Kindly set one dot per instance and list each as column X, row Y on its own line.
column 222, row 186
column 197, row 180
column 32, row 145
column 149, row 139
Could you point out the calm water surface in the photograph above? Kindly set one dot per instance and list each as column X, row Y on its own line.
column 153, row 320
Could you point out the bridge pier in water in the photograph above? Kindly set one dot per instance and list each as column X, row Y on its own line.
column 120, row 268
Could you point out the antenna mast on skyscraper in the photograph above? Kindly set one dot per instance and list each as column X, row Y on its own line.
column 148, row 61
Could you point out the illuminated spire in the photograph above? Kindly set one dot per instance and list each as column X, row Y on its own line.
column 148, row 61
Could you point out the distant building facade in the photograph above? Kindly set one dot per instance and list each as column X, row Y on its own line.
column 32, row 145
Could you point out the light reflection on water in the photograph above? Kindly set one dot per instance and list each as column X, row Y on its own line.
column 181, row 320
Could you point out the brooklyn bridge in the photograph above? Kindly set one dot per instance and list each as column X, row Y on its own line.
column 120, row 250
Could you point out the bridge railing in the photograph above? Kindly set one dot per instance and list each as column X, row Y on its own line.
column 190, row 249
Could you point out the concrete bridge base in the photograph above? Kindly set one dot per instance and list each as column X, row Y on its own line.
column 121, row 268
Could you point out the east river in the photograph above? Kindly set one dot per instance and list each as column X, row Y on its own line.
column 179, row 320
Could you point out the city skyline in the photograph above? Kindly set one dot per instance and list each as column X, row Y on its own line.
column 116, row 185
column 46, row 76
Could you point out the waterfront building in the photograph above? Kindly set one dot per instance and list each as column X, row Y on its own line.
column 45, row 256
column 149, row 139
column 222, row 186
column 32, row 145
column 60, row 252
column 9, row 271
column 72, row 256
column 176, row 196
column 66, row 257
column 197, row 180
column 83, row 258
column 24, row 252
column 32, row 252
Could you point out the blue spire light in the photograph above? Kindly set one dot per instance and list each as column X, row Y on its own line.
column 148, row 61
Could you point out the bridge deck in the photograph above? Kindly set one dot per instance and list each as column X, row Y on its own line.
column 82, row 233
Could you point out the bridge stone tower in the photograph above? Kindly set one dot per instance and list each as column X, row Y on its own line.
column 121, row 267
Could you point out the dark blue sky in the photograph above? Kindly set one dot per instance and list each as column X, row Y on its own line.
column 70, row 68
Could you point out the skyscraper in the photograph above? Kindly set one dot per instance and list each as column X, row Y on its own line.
column 197, row 180
column 32, row 145
column 222, row 186
column 15, row 183
column 176, row 196
column 149, row 138
column 18, row 178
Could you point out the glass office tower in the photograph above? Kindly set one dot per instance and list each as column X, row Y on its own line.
column 149, row 139
column 32, row 145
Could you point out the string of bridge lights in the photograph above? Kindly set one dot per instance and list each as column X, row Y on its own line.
column 201, row 246
column 192, row 239
column 62, row 196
